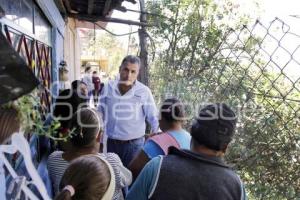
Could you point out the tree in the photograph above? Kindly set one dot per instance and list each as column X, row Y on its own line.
column 103, row 44
column 204, row 53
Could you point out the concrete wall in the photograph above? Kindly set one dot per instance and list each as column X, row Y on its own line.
column 72, row 50
column 66, row 43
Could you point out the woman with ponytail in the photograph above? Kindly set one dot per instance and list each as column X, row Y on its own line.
column 172, row 115
column 88, row 177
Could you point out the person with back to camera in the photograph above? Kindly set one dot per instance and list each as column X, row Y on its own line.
column 198, row 174
column 87, row 128
column 172, row 115
column 67, row 103
column 88, row 177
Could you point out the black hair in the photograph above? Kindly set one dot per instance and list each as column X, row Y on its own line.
column 75, row 84
column 86, row 125
column 130, row 59
column 87, row 68
column 172, row 110
column 67, row 103
column 215, row 126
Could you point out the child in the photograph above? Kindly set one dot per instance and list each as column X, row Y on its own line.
column 88, row 177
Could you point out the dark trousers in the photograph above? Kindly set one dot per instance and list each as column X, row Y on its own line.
column 126, row 150
column 96, row 96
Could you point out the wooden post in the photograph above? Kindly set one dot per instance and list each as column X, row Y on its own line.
column 143, row 77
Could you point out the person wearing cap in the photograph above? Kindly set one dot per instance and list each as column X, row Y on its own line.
column 199, row 173
column 126, row 104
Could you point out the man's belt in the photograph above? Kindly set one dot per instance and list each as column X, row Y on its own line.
column 122, row 141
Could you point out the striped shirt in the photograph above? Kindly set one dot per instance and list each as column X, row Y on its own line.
column 57, row 166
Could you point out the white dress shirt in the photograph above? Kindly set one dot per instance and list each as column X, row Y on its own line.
column 87, row 79
column 124, row 115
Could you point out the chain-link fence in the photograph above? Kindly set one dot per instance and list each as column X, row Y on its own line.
column 261, row 74
column 257, row 71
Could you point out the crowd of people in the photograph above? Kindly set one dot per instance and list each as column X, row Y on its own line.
column 108, row 155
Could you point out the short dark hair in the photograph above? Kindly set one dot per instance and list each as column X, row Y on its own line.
column 131, row 59
column 215, row 126
column 87, row 68
column 172, row 110
column 76, row 83
column 85, row 124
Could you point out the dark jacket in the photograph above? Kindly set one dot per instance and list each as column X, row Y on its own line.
column 189, row 176
column 97, row 82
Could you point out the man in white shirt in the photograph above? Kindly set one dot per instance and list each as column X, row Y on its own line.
column 87, row 79
column 126, row 104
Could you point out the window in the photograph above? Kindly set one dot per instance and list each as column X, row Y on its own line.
column 42, row 27
column 20, row 12
column 29, row 16
column 31, row 38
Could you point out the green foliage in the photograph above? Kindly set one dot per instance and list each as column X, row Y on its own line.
column 204, row 54
column 104, row 45
column 31, row 118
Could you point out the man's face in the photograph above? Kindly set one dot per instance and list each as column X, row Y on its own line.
column 89, row 71
column 83, row 89
column 129, row 73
